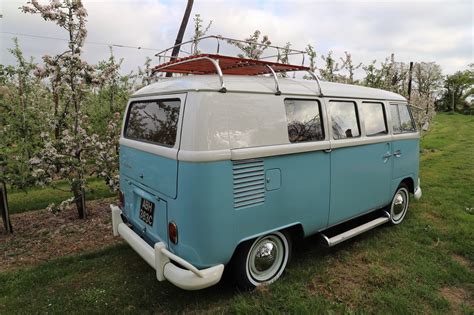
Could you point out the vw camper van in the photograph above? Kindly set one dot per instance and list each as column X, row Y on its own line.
column 226, row 168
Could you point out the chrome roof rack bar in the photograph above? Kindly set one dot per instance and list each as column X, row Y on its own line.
column 277, row 85
column 215, row 62
column 219, row 38
column 317, row 81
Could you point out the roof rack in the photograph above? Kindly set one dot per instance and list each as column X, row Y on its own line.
column 220, row 64
column 208, row 63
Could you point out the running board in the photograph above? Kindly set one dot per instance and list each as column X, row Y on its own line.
column 356, row 231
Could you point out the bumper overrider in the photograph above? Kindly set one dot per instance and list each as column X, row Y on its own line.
column 417, row 193
column 188, row 277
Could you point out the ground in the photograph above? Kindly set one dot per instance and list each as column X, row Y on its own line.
column 425, row 265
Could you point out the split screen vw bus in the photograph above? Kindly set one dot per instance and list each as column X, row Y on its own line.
column 225, row 171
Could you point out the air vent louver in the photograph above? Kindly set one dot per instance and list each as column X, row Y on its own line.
column 249, row 183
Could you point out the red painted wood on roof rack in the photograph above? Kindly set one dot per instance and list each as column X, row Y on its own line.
column 229, row 65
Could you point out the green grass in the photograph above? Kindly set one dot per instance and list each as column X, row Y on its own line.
column 390, row 270
column 40, row 197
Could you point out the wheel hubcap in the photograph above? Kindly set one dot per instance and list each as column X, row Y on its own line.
column 265, row 259
column 265, row 256
column 399, row 205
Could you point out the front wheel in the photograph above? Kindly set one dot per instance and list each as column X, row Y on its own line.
column 399, row 205
column 262, row 260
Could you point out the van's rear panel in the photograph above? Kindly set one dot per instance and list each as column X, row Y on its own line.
column 148, row 163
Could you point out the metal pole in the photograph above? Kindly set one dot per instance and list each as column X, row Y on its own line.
column 410, row 76
column 182, row 29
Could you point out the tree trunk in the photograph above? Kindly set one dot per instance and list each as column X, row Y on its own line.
column 4, row 208
column 182, row 29
column 79, row 199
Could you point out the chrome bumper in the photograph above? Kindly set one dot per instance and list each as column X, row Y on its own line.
column 417, row 193
column 160, row 258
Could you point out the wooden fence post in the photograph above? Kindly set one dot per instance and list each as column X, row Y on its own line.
column 4, row 208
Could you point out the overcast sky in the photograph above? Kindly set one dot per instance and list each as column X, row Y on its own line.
column 415, row 30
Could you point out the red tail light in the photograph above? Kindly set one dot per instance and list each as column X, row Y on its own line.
column 121, row 199
column 173, row 232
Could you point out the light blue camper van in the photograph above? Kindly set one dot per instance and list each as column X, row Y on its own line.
column 225, row 171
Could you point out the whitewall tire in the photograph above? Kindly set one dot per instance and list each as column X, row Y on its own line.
column 262, row 260
column 399, row 205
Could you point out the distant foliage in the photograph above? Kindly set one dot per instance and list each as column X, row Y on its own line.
column 254, row 46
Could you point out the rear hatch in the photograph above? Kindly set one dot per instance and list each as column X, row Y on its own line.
column 148, row 162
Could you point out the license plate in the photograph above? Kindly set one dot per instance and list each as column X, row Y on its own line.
column 147, row 209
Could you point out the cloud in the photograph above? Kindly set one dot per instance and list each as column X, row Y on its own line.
column 413, row 30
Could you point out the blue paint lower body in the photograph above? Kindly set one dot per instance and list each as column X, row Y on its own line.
column 315, row 190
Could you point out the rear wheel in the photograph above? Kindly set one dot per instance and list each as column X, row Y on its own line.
column 399, row 205
column 262, row 260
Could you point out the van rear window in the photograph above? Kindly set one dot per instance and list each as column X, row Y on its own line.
column 153, row 121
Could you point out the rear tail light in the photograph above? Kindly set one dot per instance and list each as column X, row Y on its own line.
column 173, row 232
column 121, row 199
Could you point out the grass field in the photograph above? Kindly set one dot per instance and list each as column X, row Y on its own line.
column 41, row 197
column 425, row 265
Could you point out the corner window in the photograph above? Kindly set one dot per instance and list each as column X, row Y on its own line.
column 374, row 118
column 153, row 121
column 402, row 120
column 345, row 123
column 304, row 120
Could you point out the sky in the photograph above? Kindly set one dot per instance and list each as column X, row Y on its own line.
column 416, row 30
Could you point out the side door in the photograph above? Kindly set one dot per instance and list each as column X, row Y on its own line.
column 360, row 158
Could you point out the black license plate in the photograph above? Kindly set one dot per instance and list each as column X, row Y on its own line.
column 147, row 209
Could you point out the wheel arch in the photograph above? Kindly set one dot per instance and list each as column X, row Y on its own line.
column 410, row 184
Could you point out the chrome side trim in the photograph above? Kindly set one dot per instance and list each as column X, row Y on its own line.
column 281, row 149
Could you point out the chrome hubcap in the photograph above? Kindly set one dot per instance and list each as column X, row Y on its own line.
column 399, row 205
column 265, row 259
column 265, row 256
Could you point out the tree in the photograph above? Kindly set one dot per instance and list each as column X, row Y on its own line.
column 348, row 65
column 457, row 87
column 65, row 155
column 254, row 46
column 330, row 69
column 199, row 31
column 428, row 77
column 22, row 96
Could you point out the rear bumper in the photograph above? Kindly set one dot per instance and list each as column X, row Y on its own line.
column 158, row 257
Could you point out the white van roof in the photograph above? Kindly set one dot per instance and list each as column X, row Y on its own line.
column 259, row 84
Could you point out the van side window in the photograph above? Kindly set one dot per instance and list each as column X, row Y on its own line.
column 402, row 120
column 345, row 123
column 153, row 121
column 374, row 118
column 304, row 120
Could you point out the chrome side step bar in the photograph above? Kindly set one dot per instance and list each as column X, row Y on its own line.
column 356, row 231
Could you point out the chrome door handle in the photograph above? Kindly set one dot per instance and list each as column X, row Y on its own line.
column 387, row 155
column 328, row 150
column 397, row 153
